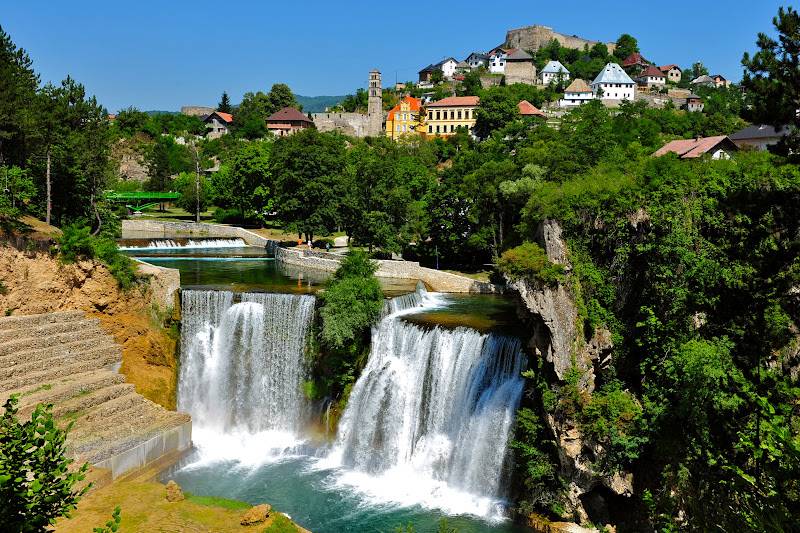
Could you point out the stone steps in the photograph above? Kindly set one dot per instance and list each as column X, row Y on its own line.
column 75, row 347
column 66, row 359
column 55, row 358
column 80, row 332
column 53, row 374
column 70, row 387
column 29, row 321
column 47, row 329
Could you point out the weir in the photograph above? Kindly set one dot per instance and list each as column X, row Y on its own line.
column 433, row 406
column 170, row 244
column 243, row 363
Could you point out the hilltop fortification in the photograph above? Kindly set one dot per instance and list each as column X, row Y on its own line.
column 535, row 37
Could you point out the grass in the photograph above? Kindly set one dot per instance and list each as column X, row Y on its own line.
column 481, row 275
column 213, row 501
column 145, row 508
column 46, row 386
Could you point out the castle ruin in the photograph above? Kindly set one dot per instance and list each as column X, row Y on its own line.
column 357, row 124
column 533, row 38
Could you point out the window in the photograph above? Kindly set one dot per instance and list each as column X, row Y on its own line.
column 397, row 128
column 459, row 114
column 430, row 129
column 452, row 115
column 437, row 128
column 452, row 128
column 438, row 115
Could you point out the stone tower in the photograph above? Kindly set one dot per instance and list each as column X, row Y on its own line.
column 375, row 104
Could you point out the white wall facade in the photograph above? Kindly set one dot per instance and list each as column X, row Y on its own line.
column 615, row 91
column 575, row 99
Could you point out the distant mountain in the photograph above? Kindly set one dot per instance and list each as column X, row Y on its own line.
column 317, row 104
column 156, row 112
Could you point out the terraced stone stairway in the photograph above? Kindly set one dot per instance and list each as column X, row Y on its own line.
column 66, row 359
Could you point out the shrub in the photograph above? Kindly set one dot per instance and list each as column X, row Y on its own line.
column 120, row 265
column 321, row 243
column 528, row 261
column 76, row 241
column 36, row 485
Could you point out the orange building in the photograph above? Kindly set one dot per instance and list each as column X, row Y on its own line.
column 403, row 119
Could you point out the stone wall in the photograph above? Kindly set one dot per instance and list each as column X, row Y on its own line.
column 164, row 284
column 196, row 110
column 520, row 72
column 175, row 439
column 535, row 37
column 152, row 229
column 352, row 124
column 435, row 280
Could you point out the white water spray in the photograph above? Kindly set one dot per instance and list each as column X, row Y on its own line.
column 169, row 244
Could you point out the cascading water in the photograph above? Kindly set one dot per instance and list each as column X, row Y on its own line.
column 429, row 419
column 169, row 244
column 243, row 363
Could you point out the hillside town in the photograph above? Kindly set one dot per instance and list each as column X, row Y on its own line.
column 445, row 99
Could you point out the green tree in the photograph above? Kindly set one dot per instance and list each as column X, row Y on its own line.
column 224, row 105
column 130, row 121
column 352, row 301
column 626, row 45
column 307, row 169
column 18, row 191
column 280, row 96
column 498, row 108
column 36, row 485
column 250, row 179
column 18, row 85
column 186, row 183
column 772, row 79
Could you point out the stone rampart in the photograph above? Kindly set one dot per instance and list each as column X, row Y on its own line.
column 352, row 124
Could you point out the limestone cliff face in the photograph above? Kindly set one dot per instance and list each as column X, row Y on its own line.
column 35, row 283
column 559, row 338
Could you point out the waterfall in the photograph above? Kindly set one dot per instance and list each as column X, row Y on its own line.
column 161, row 244
column 243, row 363
column 431, row 415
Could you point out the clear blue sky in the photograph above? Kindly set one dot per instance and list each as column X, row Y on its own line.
column 164, row 54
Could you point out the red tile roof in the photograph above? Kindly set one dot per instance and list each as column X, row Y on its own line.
column 634, row 59
column 288, row 114
column 227, row 117
column 413, row 103
column 527, row 109
column 667, row 68
column 692, row 148
column 652, row 71
column 457, row 101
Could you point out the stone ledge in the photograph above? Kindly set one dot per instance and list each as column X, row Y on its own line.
column 174, row 439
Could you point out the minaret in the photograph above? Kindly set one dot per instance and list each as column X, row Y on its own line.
column 375, row 104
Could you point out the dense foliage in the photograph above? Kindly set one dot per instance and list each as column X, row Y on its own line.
column 36, row 484
column 77, row 242
column 351, row 304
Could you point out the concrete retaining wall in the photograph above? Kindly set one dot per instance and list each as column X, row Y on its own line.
column 152, row 229
column 435, row 280
column 176, row 439
column 164, row 284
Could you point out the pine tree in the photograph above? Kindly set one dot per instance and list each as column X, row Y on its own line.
column 224, row 105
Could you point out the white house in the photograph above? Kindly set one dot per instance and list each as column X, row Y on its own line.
column 613, row 83
column 576, row 94
column 652, row 77
column 218, row 124
column 477, row 60
column 446, row 66
column 553, row 71
column 497, row 60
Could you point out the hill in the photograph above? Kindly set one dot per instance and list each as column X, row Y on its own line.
column 317, row 104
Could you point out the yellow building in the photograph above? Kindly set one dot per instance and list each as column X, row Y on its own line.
column 403, row 119
column 444, row 117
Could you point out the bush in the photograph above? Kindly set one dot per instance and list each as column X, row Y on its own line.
column 76, row 241
column 36, row 485
column 528, row 261
column 322, row 243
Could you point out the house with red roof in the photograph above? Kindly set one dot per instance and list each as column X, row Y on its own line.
column 288, row 121
column 218, row 124
column 527, row 109
column 672, row 72
column 719, row 147
column 403, row 119
column 651, row 77
column 635, row 62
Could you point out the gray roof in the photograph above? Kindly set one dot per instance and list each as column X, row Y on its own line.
column 703, row 79
column 554, row 67
column 478, row 55
column 519, row 55
column 759, row 131
column 612, row 73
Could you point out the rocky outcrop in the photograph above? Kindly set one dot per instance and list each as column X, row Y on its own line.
column 256, row 515
column 174, row 492
column 559, row 337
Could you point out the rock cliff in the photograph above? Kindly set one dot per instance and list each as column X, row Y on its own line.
column 559, row 337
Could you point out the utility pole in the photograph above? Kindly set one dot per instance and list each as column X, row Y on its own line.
column 196, row 183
